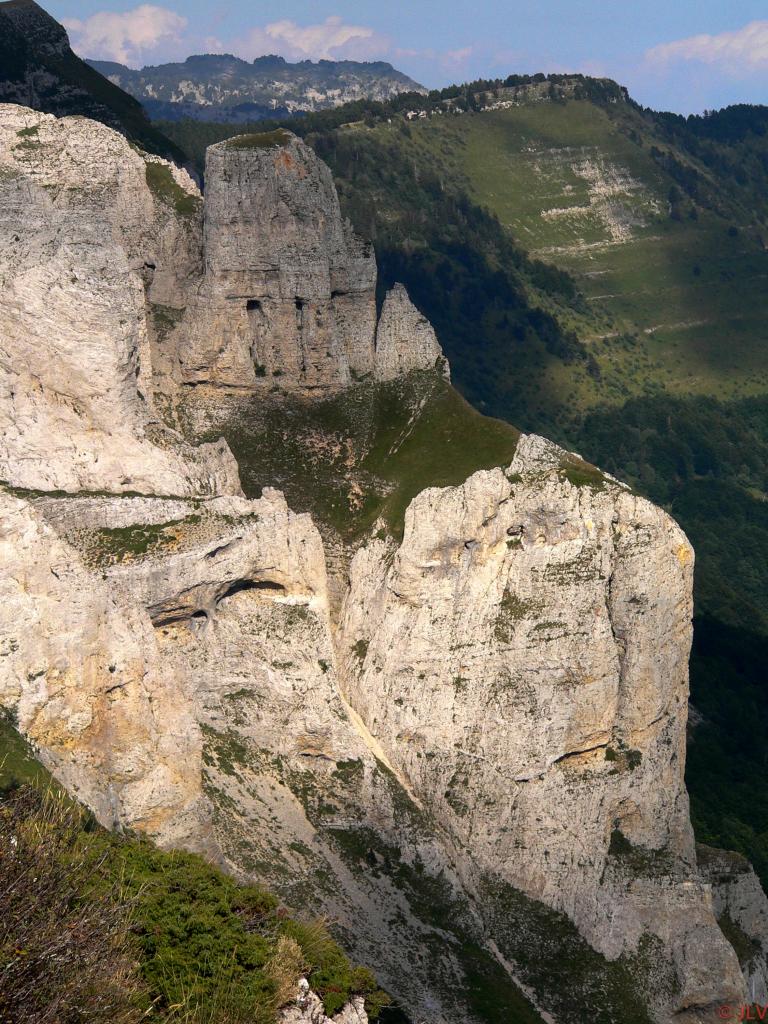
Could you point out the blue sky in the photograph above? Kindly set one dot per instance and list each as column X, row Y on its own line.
column 684, row 55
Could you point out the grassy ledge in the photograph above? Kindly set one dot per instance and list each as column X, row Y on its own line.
column 166, row 188
column 260, row 140
column 366, row 453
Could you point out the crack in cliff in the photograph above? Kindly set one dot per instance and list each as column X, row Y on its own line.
column 577, row 753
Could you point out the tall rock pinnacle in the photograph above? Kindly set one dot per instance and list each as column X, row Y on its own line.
column 288, row 289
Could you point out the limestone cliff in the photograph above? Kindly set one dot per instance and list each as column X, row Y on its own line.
column 308, row 1009
column 405, row 339
column 288, row 290
column 81, row 230
column 741, row 907
column 460, row 735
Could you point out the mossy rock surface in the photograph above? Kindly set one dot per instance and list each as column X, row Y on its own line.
column 261, row 140
column 167, row 189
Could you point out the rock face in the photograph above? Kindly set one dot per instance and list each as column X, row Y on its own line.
column 308, row 1009
column 498, row 708
column 288, row 290
column 546, row 626
column 405, row 339
column 742, row 911
column 80, row 228
column 93, row 637
column 220, row 87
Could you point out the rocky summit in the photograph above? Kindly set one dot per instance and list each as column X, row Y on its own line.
column 435, row 691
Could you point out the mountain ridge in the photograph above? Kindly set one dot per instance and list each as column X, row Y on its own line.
column 445, row 700
column 397, row 704
column 220, row 87
column 645, row 352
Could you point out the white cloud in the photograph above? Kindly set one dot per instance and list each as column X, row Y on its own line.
column 743, row 50
column 331, row 39
column 454, row 59
column 125, row 36
column 160, row 34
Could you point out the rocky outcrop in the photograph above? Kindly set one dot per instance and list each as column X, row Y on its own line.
column 81, row 230
column 405, row 339
column 288, row 294
column 308, row 1009
column 741, row 907
column 543, row 615
column 267, row 288
column 99, row 595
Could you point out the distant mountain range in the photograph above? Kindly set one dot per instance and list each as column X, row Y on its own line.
column 221, row 87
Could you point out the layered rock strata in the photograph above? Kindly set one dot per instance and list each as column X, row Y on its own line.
column 289, row 290
column 288, row 294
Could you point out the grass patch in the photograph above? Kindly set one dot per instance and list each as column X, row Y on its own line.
column 745, row 947
column 166, row 188
column 115, row 544
column 365, row 454
column 579, row 473
column 18, row 764
column 260, row 140
column 574, row 981
column 513, row 609
column 223, row 750
column 639, row 861
column 164, row 318
column 483, row 987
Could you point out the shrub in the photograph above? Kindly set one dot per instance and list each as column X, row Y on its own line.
column 98, row 928
column 65, row 956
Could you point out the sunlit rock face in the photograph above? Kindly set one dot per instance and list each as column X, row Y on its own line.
column 80, row 231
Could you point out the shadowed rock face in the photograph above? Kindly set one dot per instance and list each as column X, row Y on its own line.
column 38, row 69
column 501, row 700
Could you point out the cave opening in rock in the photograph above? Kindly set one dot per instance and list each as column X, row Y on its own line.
column 239, row 586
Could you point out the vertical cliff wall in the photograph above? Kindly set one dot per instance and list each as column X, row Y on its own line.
column 80, row 230
column 288, row 290
column 525, row 668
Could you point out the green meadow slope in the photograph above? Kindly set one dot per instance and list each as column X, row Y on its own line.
column 579, row 185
